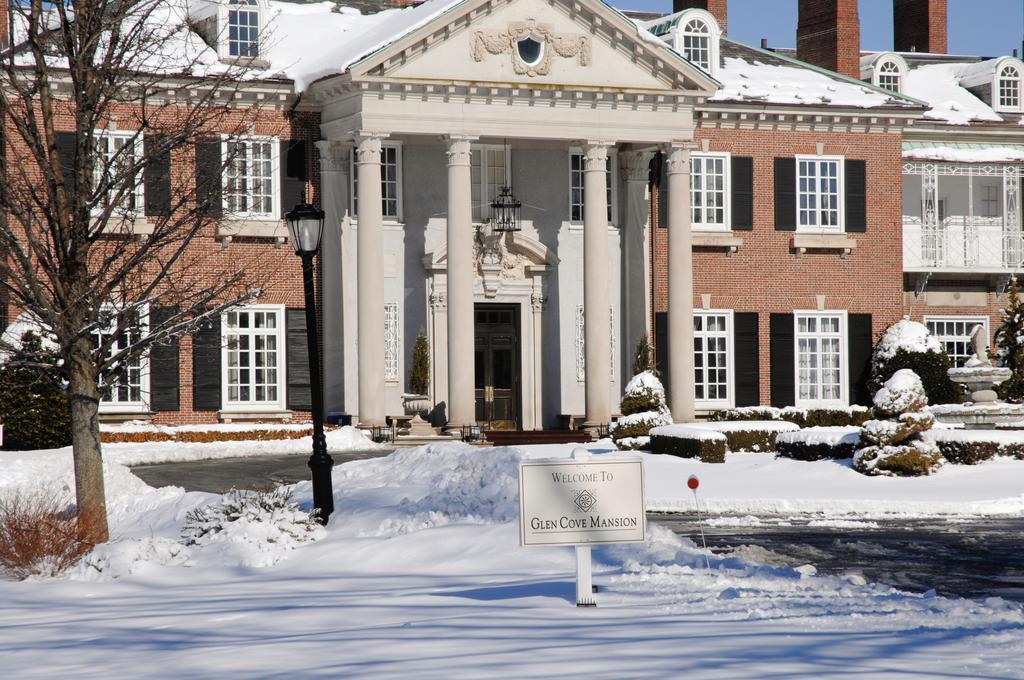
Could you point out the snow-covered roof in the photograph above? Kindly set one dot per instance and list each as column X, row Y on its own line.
column 964, row 152
column 939, row 86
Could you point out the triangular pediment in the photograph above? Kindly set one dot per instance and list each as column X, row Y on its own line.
column 568, row 44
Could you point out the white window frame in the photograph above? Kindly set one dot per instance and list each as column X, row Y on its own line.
column 353, row 183
column 714, row 35
column 275, row 177
column 223, row 14
column 139, row 193
column 489, row 193
column 282, row 362
column 844, row 358
column 726, row 224
column 1016, row 80
column 142, row 404
column 612, row 186
column 730, row 373
column 969, row 321
column 895, row 74
column 840, row 225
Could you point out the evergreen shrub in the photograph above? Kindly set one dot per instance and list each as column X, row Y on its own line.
column 33, row 405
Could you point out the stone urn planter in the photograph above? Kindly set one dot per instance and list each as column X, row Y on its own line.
column 416, row 404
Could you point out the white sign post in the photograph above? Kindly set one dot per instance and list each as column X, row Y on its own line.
column 582, row 502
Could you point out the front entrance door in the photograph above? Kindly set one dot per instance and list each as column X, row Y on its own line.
column 497, row 366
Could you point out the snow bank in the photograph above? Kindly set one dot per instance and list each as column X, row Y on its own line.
column 906, row 335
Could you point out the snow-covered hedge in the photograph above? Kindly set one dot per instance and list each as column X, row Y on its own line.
column 818, row 443
column 802, row 417
column 749, row 435
column 968, row 447
column 689, row 441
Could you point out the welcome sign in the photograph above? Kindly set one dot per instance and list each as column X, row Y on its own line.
column 581, row 502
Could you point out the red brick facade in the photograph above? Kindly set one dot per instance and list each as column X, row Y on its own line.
column 919, row 26
column 766, row 276
column 828, row 35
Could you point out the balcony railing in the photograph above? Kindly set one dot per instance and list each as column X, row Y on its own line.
column 961, row 243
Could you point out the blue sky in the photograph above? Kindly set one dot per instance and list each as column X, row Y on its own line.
column 982, row 27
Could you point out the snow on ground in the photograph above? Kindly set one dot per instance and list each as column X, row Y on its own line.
column 420, row 575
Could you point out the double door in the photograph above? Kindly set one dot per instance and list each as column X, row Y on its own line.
column 496, row 368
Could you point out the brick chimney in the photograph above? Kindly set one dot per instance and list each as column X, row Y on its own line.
column 919, row 26
column 716, row 7
column 828, row 35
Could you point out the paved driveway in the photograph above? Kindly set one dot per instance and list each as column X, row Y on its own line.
column 223, row 474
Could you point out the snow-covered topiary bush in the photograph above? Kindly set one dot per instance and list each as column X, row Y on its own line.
column 909, row 344
column 258, row 528
column 894, row 447
column 901, row 393
column 643, row 407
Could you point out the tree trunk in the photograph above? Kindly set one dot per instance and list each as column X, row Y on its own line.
column 85, row 441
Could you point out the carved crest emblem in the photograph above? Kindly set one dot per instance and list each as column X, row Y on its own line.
column 532, row 46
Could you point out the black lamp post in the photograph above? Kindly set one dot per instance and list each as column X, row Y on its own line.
column 306, row 227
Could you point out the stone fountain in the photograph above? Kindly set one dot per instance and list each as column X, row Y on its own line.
column 984, row 410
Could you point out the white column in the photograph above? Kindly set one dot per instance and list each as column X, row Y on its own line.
column 680, row 286
column 334, row 190
column 596, row 331
column 635, row 169
column 461, row 399
column 370, row 263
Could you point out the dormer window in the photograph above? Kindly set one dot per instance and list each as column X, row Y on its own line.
column 696, row 36
column 697, row 44
column 890, row 76
column 1008, row 88
column 886, row 70
column 243, row 28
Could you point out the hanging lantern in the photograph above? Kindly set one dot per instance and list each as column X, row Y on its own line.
column 505, row 211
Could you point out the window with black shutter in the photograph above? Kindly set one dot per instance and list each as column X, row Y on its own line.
column 293, row 175
column 299, row 395
column 861, row 343
column 856, row 196
column 742, row 193
column 782, row 368
column 746, row 354
column 164, row 364
column 661, row 346
column 785, row 194
column 209, row 173
column 67, row 152
column 206, row 366
column 156, row 177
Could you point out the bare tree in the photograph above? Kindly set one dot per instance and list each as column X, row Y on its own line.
column 78, row 254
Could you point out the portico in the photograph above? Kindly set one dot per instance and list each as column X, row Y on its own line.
column 566, row 103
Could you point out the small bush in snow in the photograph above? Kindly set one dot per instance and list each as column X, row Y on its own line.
column 643, row 407
column 969, row 447
column 914, row 459
column 252, row 516
column 909, row 344
column 887, row 432
column 38, row 535
column 678, row 440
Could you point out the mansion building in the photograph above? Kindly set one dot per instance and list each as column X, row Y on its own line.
column 763, row 215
